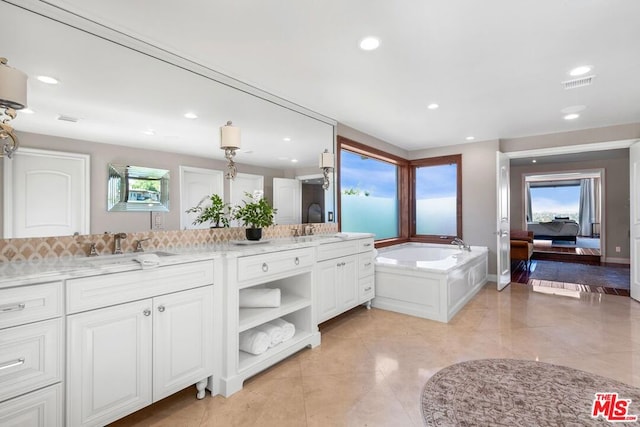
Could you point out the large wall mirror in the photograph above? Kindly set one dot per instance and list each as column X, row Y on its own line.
column 114, row 90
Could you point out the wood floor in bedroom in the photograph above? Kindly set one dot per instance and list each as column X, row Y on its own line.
column 372, row 364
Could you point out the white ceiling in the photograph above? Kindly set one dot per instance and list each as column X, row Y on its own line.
column 495, row 67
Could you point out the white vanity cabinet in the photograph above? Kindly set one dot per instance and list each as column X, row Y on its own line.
column 31, row 355
column 136, row 337
column 291, row 271
column 345, row 276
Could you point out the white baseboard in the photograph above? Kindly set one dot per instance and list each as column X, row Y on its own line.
column 617, row 260
column 492, row 278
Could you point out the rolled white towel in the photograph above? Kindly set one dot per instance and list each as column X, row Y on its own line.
column 288, row 329
column 254, row 341
column 148, row 260
column 259, row 297
column 275, row 333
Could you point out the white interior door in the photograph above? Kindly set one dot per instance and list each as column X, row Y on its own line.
column 46, row 194
column 196, row 184
column 503, row 224
column 287, row 199
column 634, row 169
column 243, row 183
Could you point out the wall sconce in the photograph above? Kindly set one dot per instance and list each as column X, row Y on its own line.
column 230, row 142
column 326, row 164
column 13, row 96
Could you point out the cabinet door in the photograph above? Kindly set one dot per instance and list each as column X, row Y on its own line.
column 182, row 340
column 348, row 283
column 327, row 290
column 109, row 363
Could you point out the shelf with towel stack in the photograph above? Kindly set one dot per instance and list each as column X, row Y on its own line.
column 263, row 289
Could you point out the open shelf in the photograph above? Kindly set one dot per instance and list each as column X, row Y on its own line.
column 251, row 317
column 247, row 360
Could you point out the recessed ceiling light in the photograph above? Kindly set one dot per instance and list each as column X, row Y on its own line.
column 579, row 71
column 369, row 43
column 433, row 106
column 534, row 161
column 294, row 160
column 470, row 138
column 286, row 139
column 190, row 115
column 149, row 132
column 27, row 111
column 571, row 116
column 48, row 80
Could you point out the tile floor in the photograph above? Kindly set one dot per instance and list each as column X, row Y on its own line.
column 372, row 364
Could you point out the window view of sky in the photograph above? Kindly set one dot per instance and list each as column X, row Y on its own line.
column 547, row 202
column 368, row 176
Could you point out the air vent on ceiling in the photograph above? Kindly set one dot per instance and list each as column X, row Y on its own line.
column 67, row 118
column 575, row 83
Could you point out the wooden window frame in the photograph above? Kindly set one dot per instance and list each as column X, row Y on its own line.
column 406, row 190
column 435, row 161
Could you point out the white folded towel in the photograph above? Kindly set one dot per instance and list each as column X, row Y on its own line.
column 148, row 260
column 275, row 333
column 342, row 235
column 254, row 341
column 288, row 329
column 259, row 297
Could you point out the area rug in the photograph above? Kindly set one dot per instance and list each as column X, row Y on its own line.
column 583, row 274
column 509, row 392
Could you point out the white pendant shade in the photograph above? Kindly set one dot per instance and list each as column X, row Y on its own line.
column 326, row 160
column 13, row 87
column 229, row 136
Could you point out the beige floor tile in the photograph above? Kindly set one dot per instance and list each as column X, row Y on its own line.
column 372, row 364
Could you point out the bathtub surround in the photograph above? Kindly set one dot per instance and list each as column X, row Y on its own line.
column 518, row 393
column 428, row 280
column 40, row 248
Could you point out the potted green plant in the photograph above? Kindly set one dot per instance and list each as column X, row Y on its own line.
column 255, row 215
column 216, row 213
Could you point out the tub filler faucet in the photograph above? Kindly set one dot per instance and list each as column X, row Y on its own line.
column 462, row 245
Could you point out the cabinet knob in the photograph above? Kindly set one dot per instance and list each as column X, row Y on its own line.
column 161, row 308
column 265, row 267
column 297, row 261
column 366, row 245
column 147, row 312
column 367, row 289
column 367, row 264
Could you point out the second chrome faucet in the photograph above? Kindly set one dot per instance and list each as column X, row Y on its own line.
column 117, row 246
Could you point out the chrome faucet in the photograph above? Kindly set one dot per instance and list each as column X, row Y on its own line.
column 462, row 245
column 139, row 247
column 117, row 249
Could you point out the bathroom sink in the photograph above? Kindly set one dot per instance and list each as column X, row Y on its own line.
column 103, row 260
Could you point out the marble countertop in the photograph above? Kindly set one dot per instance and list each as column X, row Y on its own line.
column 22, row 273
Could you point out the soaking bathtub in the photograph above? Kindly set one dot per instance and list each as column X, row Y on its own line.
column 428, row 280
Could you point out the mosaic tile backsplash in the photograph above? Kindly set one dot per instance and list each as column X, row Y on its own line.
column 38, row 248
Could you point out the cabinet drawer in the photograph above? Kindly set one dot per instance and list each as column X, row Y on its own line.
column 42, row 408
column 365, row 264
column 88, row 293
column 367, row 289
column 337, row 249
column 269, row 265
column 28, row 304
column 30, row 357
column 365, row 245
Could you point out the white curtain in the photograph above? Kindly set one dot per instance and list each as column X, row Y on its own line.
column 586, row 214
column 528, row 203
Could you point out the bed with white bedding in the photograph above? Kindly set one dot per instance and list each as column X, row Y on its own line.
column 558, row 229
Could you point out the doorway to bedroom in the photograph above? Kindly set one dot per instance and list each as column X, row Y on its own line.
column 564, row 212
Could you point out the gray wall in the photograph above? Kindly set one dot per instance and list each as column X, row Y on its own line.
column 478, row 191
column 616, row 195
column 102, row 154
